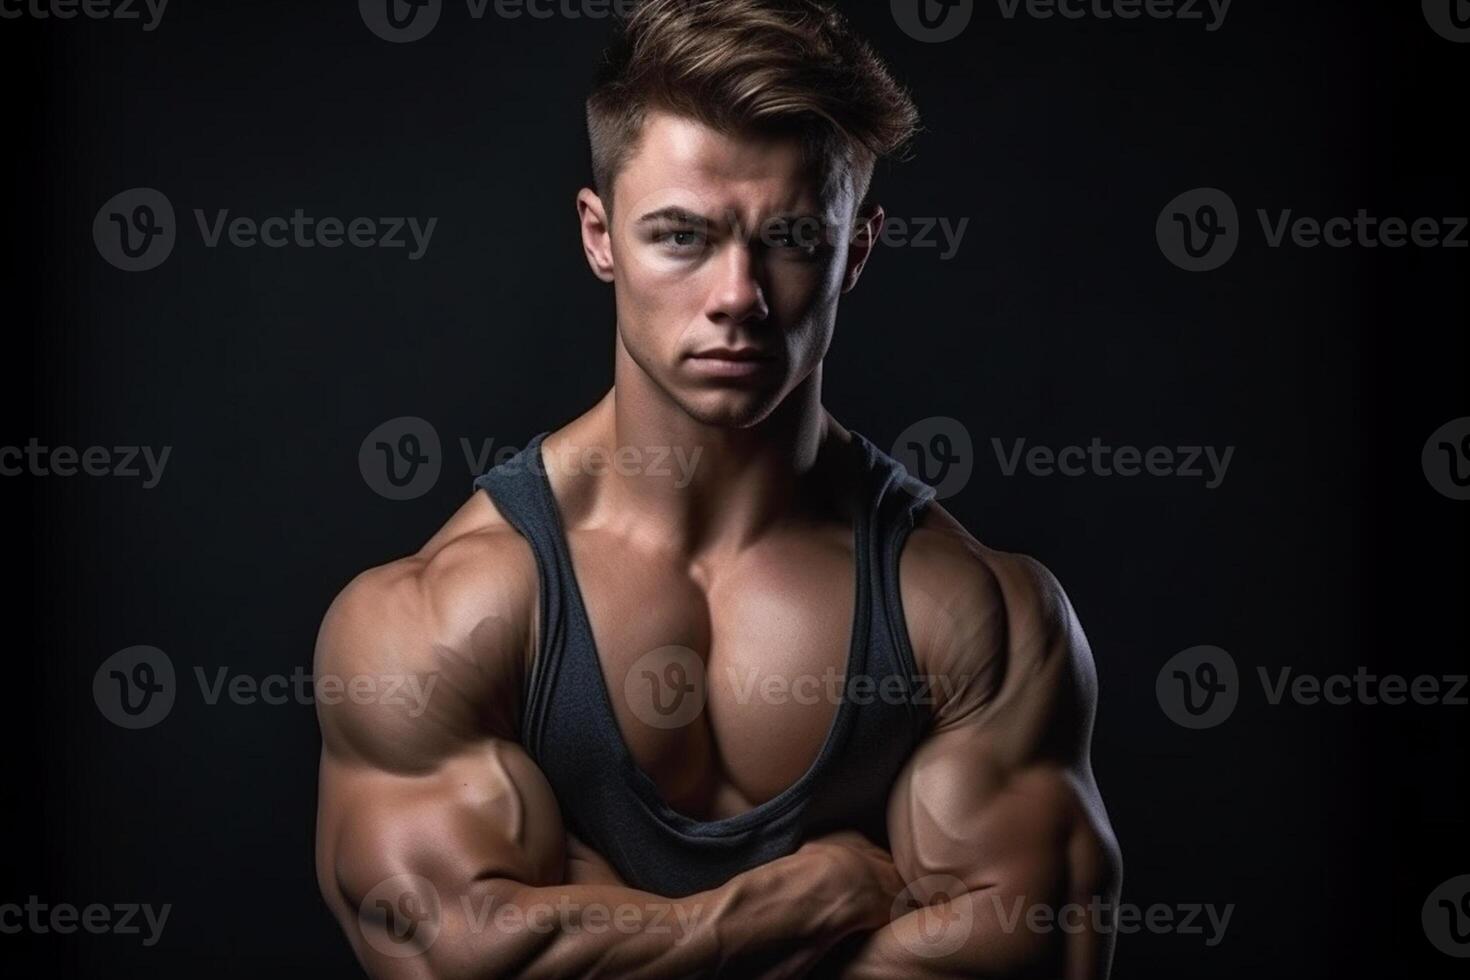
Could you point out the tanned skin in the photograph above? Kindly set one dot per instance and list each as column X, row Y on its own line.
column 739, row 564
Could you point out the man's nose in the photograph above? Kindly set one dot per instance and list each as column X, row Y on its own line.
column 738, row 296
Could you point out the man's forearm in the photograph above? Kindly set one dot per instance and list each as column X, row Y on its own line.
column 775, row 920
column 985, row 933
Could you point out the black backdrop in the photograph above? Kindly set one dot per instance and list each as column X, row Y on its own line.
column 1325, row 548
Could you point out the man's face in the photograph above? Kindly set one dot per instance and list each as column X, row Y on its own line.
column 728, row 255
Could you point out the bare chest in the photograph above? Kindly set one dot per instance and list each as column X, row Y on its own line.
column 723, row 690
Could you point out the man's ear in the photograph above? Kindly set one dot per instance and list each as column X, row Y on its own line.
column 596, row 234
column 864, row 239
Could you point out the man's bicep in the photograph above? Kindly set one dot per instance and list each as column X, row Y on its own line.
column 987, row 853
column 425, row 803
column 442, row 847
column 958, row 811
column 1004, row 776
column 486, row 813
column 998, row 803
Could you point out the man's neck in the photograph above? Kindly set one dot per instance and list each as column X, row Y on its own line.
column 698, row 489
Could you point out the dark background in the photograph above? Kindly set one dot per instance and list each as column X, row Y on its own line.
column 1060, row 320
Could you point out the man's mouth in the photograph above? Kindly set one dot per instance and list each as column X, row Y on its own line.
column 731, row 362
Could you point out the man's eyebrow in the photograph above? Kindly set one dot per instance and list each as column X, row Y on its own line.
column 794, row 216
column 673, row 214
column 679, row 216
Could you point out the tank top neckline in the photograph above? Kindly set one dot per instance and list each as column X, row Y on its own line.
column 639, row 781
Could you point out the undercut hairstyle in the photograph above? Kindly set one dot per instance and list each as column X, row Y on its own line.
column 789, row 68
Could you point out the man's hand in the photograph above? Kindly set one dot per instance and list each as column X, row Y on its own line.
column 862, row 874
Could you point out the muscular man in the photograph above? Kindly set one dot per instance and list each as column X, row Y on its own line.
column 714, row 686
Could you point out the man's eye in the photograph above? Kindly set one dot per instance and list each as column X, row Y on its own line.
column 805, row 241
column 798, row 247
column 680, row 238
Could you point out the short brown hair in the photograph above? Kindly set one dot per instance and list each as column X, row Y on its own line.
column 770, row 66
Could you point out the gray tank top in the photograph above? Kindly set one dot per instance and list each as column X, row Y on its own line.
column 569, row 729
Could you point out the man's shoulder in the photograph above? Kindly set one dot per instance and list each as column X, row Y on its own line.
column 473, row 583
column 978, row 617
column 950, row 567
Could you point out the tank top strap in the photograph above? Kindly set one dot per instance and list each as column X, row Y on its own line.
column 899, row 501
column 521, row 493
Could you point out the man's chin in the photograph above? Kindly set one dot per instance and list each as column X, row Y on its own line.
column 731, row 409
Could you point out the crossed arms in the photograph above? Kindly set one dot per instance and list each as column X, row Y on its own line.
column 441, row 851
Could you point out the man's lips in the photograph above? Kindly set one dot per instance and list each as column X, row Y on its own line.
column 731, row 362
column 733, row 354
